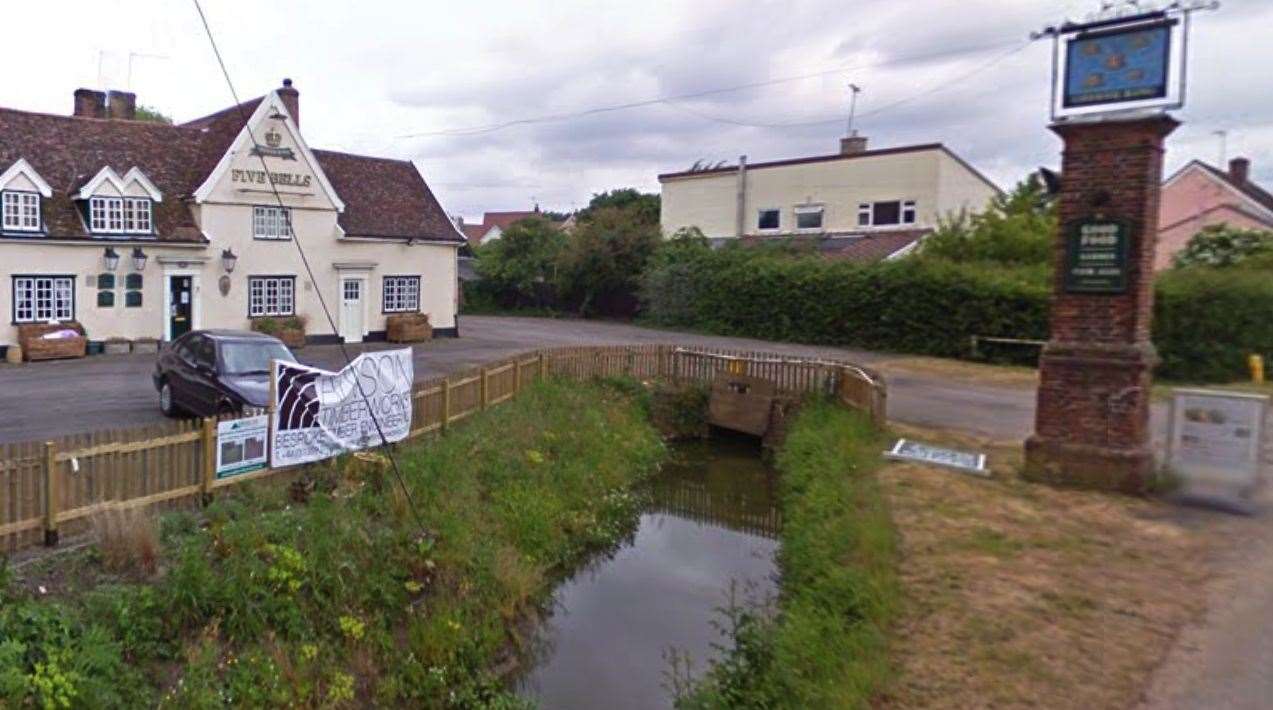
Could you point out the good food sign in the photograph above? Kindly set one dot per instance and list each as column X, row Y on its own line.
column 1096, row 256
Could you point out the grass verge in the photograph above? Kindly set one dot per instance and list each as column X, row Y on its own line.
column 344, row 601
column 825, row 644
column 1019, row 595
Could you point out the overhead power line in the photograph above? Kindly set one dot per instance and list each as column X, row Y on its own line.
column 669, row 100
column 291, row 231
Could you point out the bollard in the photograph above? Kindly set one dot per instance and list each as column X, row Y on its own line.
column 1256, row 362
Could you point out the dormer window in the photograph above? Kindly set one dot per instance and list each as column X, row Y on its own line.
column 119, row 215
column 20, row 210
column 20, row 191
column 120, row 205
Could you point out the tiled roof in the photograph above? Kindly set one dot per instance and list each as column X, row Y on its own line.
column 504, row 220
column 67, row 151
column 1248, row 188
column 474, row 233
column 862, row 246
column 383, row 198
column 870, row 246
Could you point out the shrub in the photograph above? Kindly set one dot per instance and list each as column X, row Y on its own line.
column 128, row 540
column 1017, row 228
column 1222, row 245
column 520, row 266
column 1208, row 321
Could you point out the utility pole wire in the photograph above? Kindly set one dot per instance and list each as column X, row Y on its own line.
column 491, row 128
column 384, row 442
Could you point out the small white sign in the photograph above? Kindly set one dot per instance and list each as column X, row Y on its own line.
column 241, row 445
column 907, row 450
column 1217, row 437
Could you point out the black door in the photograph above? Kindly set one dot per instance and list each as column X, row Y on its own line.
column 181, row 310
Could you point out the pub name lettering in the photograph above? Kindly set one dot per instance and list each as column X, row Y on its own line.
column 261, row 177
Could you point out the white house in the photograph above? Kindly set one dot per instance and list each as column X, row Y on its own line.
column 862, row 203
column 140, row 229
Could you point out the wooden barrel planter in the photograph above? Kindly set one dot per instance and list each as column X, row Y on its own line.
column 408, row 328
column 35, row 346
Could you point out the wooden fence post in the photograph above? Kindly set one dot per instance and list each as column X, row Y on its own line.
column 517, row 374
column 446, row 403
column 485, row 388
column 50, row 493
column 209, row 441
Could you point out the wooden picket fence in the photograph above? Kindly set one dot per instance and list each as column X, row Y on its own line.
column 53, row 488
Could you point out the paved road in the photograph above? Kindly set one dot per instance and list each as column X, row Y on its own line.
column 43, row 400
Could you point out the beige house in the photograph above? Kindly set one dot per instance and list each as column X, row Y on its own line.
column 140, row 229
column 886, row 197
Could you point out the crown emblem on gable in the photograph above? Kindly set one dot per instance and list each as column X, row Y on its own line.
column 273, row 138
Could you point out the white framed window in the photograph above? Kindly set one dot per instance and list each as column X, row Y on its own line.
column 21, row 211
column 38, row 299
column 271, row 296
column 809, row 217
column 271, row 223
column 402, row 294
column 120, row 215
column 886, row 213
column 768, row 220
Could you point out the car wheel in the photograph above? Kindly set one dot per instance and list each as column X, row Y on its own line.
column 166, row 405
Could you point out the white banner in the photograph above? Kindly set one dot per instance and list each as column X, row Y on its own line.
column 320, row 414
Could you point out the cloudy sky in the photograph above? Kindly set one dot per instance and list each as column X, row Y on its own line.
column 432, row 81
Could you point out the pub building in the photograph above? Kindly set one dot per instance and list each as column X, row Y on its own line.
column 138, row 229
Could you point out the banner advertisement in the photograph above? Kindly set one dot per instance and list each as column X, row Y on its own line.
column 320, row 414
column 241, row 445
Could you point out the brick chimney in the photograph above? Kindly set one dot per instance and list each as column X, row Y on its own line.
column 852, row 145
column 121, row 105
column 292, row 100
column 90, row 104
column 1240, row 170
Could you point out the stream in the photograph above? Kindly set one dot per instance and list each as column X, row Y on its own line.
column 713, row 520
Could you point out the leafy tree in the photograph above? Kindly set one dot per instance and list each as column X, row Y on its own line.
column 643, row 206
column 1017, row 228
column 1221, row 245
column 555, row 216
column 147, row 113
column 601, row 269
column 521, row 264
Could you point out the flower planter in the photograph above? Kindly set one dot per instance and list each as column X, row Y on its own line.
column 13, row 354
column 408, row 328
column 145, row 345
column 36, row 346
column 293, row 338
column 290, row 329
column 117, row 347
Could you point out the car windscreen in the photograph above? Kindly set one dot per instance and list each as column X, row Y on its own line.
column 248, row 357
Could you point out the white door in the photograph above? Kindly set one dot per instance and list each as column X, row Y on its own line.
column 351, row 310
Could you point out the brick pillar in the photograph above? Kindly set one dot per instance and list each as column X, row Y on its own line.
column 1092, row 420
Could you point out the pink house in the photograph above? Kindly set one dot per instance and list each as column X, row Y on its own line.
column 1200, row 195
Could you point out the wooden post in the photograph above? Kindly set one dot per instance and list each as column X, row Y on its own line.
column 517, row 374
column 485, row 387
column 50, row 493
column 446, row 404
column 209, row 458
column 539, row 369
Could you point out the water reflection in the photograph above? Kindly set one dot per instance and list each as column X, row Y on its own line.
column 712, row 521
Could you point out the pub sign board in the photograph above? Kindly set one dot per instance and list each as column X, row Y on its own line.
column 1096, row 256
column 1118, row 65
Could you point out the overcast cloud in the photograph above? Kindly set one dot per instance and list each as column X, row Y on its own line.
column 370, row 72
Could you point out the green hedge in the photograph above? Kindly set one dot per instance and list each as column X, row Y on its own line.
column 1207, row 322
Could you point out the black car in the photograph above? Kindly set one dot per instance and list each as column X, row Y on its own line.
column 212, row 372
